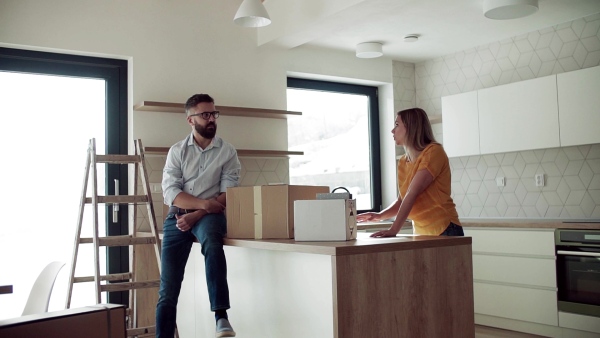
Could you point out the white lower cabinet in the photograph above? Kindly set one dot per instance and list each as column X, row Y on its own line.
column 514, row 275
column 514, row 284
column 516, row 302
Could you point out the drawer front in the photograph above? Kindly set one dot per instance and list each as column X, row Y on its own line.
column 515, row 270
column 579, row 322
column 526, row 304
column 517, row 242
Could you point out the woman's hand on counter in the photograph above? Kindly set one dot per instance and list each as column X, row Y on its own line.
column 385, row 233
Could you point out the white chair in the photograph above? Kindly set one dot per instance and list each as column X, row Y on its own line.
column 39, row 297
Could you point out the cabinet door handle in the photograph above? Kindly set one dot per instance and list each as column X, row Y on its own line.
column 577, row 253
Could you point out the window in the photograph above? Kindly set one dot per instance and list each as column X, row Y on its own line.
column 52, row 105
column 339, row 135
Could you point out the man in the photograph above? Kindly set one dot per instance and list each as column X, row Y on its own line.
column 197, row 173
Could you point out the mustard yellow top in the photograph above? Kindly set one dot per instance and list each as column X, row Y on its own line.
column 433, row 209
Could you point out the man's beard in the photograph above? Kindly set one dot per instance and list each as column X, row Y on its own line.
column 207, row 132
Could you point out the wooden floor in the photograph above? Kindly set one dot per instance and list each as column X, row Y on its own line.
column 492, row 332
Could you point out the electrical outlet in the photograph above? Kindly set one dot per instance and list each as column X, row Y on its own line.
column 500, row 182
column 539, row 180
column 155, row 188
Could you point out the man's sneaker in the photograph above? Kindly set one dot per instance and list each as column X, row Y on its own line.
column 224, row 329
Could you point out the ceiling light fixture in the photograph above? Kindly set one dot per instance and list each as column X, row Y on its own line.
column 252, row 13
column 368, row 50
column 509, row 9
column 411, row 38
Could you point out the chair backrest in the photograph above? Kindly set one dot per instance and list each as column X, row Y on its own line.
column 39, row 297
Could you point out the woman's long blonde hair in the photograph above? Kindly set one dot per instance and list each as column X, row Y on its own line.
column 418, row 130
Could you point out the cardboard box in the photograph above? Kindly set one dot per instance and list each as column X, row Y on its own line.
column 97, row 321
column 267, row 211
column 325, row 220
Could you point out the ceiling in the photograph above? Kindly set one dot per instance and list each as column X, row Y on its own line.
column 444, row 26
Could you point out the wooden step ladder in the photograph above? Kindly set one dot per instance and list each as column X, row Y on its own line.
column 126, row 281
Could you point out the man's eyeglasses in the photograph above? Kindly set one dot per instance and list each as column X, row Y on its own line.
column 208, row 114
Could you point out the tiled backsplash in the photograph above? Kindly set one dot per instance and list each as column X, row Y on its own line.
column 571, row 190
column 255, row 171
column 572, row 174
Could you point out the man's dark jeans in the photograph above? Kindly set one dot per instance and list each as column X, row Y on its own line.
column 176, row 246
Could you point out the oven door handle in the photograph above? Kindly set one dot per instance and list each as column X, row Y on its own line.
column 576, row 253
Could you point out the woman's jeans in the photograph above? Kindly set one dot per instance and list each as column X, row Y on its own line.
column 176, row 246
column 453, row 230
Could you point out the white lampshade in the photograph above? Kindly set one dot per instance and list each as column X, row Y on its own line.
column 367, row 50
column 252, row 13
column 509, row 9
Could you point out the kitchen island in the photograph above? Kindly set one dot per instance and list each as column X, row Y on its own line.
column 407, row 286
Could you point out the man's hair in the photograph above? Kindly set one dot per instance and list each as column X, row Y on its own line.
column 418, row 128
column 195, row 99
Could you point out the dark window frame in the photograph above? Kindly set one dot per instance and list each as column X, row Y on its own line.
column 374, row 143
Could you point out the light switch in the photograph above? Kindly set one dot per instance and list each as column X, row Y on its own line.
column 500, row 182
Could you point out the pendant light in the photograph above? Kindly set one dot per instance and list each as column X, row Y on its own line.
column 252, row 13
column 509, row 9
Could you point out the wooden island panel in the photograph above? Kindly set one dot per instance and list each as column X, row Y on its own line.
column 407, row 286
column 414, row 293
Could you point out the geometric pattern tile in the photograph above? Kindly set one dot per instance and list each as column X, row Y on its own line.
column 403, row 75
column 572, row 174
column 573, row 192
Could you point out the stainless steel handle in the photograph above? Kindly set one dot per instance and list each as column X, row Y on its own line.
column 115, row 215
column 577, row 253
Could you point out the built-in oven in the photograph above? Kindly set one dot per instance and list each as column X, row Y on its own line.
column 578, row 271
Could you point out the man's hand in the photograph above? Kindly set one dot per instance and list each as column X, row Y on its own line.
column 187, row 221
column 213, row 207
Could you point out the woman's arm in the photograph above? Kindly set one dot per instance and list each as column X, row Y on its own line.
column 386, row 213
column 419, row 183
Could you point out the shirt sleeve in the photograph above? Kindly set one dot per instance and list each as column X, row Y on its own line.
column 172, row 181
column 230, row 175
column 433, row 160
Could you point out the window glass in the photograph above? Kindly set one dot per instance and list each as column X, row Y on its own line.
column 45, row 147
column 335, row 134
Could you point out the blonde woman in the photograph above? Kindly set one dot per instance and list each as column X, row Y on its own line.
column 423, row 182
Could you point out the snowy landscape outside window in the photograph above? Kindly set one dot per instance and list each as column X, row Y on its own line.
column 334, row 132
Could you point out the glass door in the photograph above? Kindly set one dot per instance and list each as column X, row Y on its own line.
column 52, row 105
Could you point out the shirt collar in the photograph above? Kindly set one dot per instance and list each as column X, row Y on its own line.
column 215, row 143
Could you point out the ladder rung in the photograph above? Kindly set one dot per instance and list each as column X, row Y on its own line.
column 141, row 331
column 123, row 240
column 111, row 277
column 120, row 199
column 130, row 285
column 118, row 159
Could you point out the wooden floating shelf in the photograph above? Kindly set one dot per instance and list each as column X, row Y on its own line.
column 240, row 152
column 435, row 119
column 167, row 107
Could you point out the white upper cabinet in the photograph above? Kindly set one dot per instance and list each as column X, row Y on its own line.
column 519, row 116
column 461, row 124
column 579, row 106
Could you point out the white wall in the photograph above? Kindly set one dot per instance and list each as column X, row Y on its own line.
column 179, row 48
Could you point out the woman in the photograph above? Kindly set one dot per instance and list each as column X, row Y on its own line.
column 423, row 182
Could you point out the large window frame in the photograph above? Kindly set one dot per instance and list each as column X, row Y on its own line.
column 114, row 72
column 374, row 143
